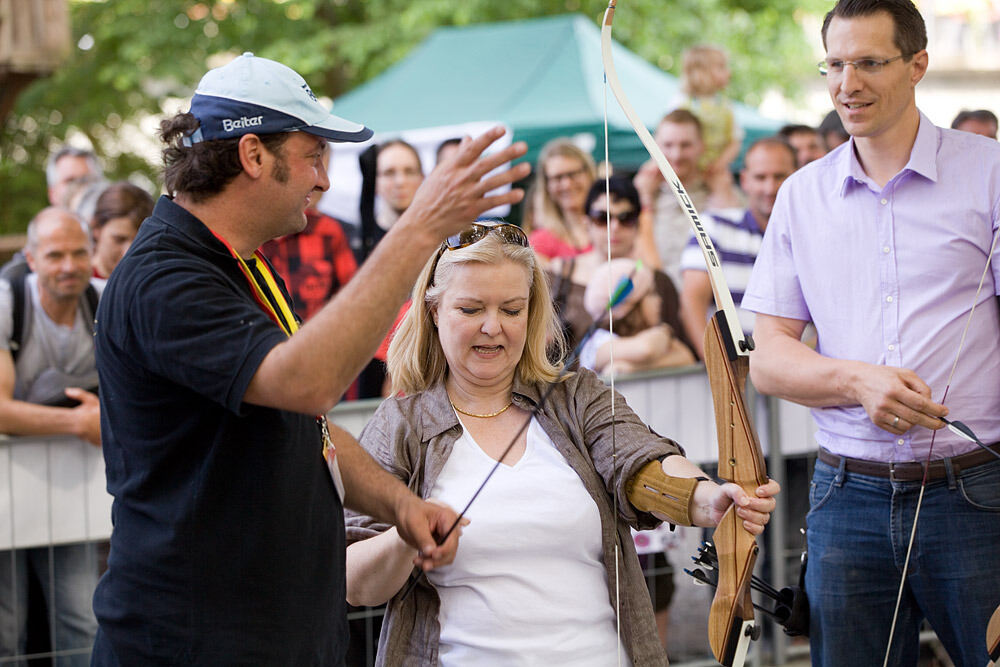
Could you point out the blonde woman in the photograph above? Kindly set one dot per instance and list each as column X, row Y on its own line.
column 534, row 578
column 555, row 217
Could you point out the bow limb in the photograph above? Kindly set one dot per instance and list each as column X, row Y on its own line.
column 741, row 461
column 723, row 297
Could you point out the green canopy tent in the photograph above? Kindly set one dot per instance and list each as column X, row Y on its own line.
column 541, row 77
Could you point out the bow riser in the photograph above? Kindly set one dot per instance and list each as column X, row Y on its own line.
column 731, row 616
column 740, row 457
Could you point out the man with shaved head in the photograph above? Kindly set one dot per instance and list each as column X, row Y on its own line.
column 736, row 234
column 45, row 373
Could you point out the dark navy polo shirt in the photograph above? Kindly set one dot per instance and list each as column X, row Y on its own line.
column 228, row 542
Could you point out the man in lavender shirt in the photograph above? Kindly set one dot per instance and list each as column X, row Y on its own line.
column 882, row 244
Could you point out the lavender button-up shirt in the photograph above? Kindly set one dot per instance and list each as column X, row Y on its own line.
column 889, row 275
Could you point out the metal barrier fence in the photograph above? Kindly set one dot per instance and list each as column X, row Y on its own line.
column 55, row 494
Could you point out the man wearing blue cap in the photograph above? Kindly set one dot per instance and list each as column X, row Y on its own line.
column 228, row 544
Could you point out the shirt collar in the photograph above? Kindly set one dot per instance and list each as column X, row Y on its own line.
column 439, row 415
column 923, row 158
column 179, row 218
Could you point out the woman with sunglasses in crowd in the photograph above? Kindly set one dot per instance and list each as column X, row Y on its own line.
column 534, row 574
column 569, row 277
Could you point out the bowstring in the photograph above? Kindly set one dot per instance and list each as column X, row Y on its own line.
column 930, row 449
column 611, row 356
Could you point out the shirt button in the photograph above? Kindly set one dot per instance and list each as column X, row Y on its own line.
column 899, row 442
column 892, row 347
column 884, row 202
column 886, row 250
column 888, row 299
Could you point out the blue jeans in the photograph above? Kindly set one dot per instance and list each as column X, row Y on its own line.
column 68, row 576
column 858, row 530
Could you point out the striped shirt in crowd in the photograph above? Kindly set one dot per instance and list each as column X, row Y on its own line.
column 737, row 238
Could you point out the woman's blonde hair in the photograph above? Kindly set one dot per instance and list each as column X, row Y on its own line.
column 416, row 361
column 542, row 212
column 698, row 65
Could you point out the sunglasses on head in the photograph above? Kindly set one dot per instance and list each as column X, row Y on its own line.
column 476, row 232
column 627, row 219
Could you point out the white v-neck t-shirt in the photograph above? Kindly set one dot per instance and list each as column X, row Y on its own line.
column 528, row 585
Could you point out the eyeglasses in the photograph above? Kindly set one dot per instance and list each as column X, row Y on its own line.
column 476, row 232
column 627, row 219
column 865, row 65
column 566, row 175
column 406, row 172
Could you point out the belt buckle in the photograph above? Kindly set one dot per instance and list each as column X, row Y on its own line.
column 923, row 470
column 902, row 466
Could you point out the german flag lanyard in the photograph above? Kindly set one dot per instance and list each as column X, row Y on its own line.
column 283, row 317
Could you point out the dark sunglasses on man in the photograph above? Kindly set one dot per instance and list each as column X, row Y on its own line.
column 625, row 219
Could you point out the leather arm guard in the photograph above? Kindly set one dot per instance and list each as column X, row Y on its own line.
column 652, row 490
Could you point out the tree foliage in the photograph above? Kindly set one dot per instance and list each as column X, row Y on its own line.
column 134, row 59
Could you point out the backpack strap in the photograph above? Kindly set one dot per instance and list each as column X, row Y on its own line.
column 89, row 302
column 21, row 303
column 21, row 311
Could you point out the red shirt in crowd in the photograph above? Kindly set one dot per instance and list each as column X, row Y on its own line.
column 315, row 262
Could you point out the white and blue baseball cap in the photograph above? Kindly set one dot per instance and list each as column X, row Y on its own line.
column 261, row 96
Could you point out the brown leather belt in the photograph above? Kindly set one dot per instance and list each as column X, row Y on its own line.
column 910, row 471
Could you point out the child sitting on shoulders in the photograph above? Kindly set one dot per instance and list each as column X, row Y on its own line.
column 705, row 75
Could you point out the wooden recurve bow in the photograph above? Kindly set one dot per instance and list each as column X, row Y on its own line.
column 731, row 620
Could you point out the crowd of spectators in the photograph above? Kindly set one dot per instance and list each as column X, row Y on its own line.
column 586, row 240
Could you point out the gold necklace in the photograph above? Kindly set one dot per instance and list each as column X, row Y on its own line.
column 487, row 416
